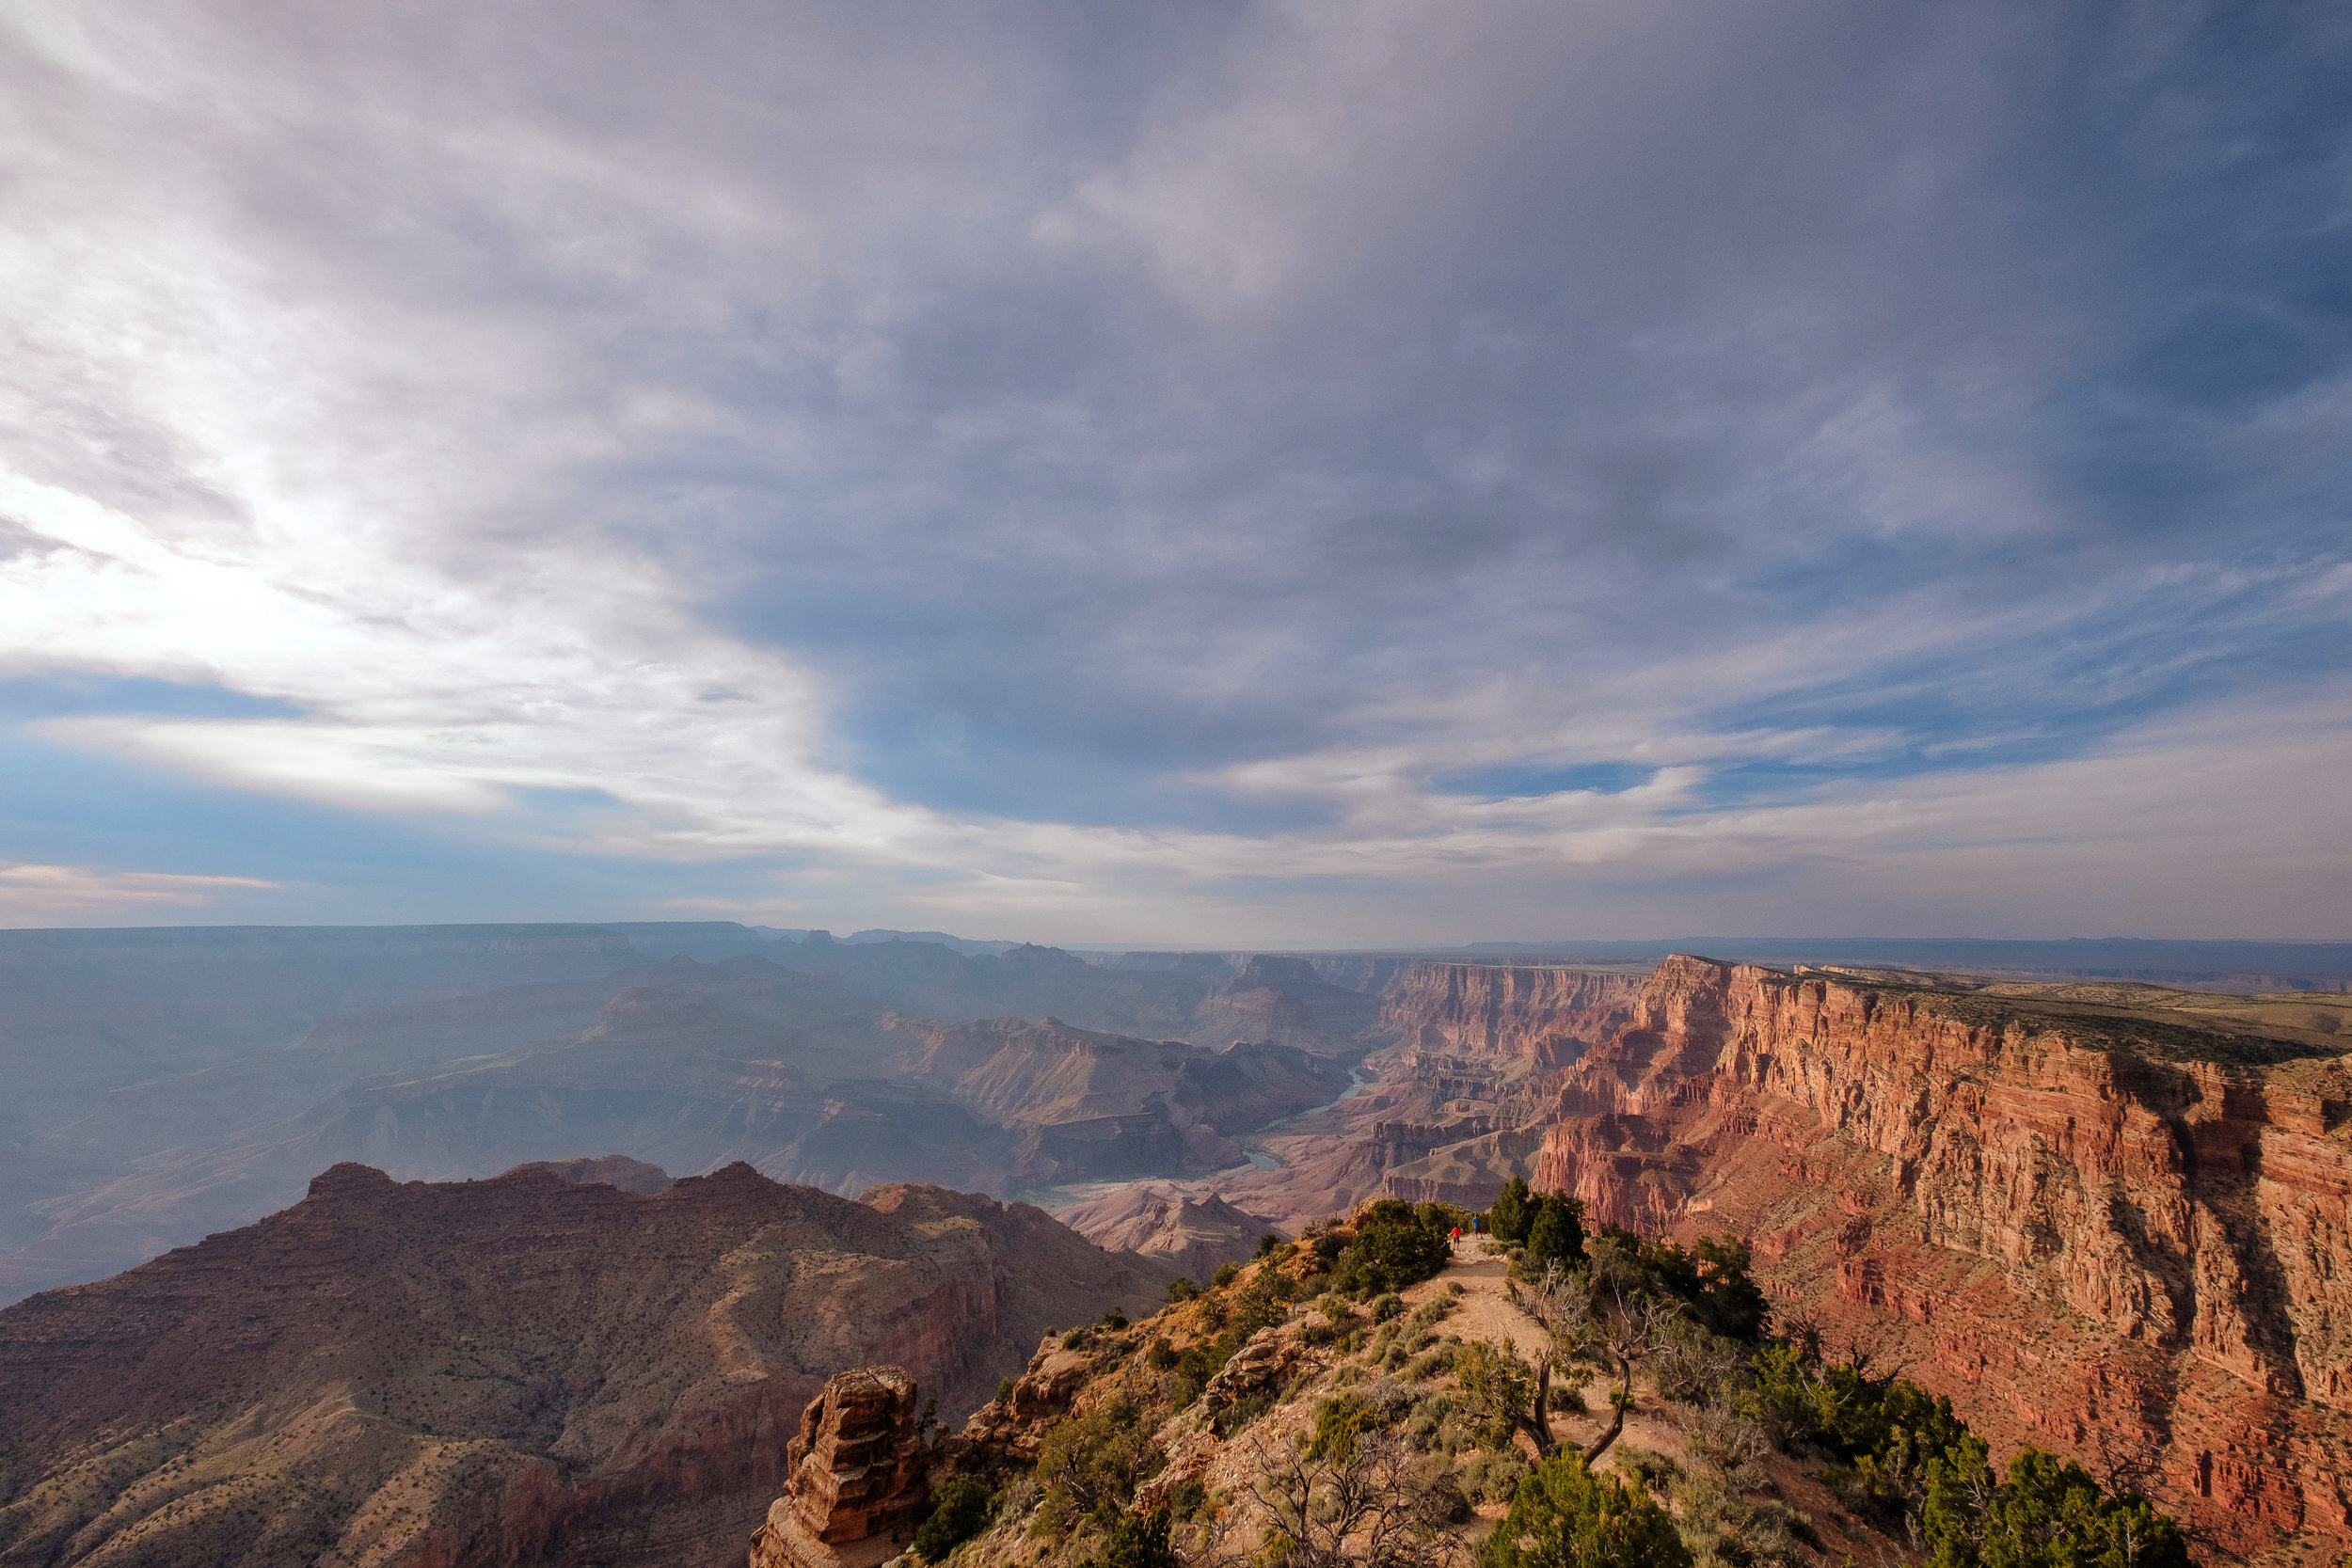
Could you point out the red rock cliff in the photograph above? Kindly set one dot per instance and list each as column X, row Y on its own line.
column 2140, row 1262
column 1482, row 1009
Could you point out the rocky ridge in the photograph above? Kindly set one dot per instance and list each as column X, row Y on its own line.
column 524, row 1369
column 1193, row 1228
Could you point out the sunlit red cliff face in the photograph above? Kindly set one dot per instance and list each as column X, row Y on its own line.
column 2091, row 1241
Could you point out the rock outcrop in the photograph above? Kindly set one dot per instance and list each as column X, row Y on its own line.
column 1264, row 1361
column 856, row 1476
column 525, row 1370
column 1549, row 1014
column 614, row 1170
column 1189, row 1226
column 2093, row 1240
column 1013, row 1428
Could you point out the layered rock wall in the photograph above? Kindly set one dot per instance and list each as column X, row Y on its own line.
column 1479, row 1009
column 856, row 1476
column 2146, row 1263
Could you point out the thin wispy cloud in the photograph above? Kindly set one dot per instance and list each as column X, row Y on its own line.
column 63, row 895
column 1263, row 472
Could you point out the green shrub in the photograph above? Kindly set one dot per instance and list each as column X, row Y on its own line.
column 1225, row 1275
column 1090, row 1465
column 1136, row 1541
column 1844, row 1413
column 1428, row 1365
column 1497, row 1388
column 1556, row 1232
column 960, row 1511
column 1384, row 1259
column 1492, row 1477
column 1387, row 1306
column 2048, row 1515
column 1180, row 1289
column 1565, row 1516
column 1439, row 1219
column 1654, row 1470
column 1161, row 1357
column 1507, row 1217
column 1340, row 1424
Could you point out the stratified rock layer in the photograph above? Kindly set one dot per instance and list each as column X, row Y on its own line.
column 527, row 1369
column 1550, row 1014
column 856, row 1476
column 1189, row 1226
column 2091, row 1241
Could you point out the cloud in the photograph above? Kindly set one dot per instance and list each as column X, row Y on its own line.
column 38, row 895
column 1040, row 467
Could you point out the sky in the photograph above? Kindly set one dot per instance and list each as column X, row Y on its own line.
column 1313, row 473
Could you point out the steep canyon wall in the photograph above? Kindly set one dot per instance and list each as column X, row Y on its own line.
column 2091, row 1240
column 1547, row 1014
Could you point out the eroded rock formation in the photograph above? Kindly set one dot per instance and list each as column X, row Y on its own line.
column 2091, row 1240
column 1549, row 1014
column 1191, row 1228
column 525, row 1370
column 1013, row 1428
column 856, row 1476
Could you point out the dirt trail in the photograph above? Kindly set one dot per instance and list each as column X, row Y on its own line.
column 1485, row 1312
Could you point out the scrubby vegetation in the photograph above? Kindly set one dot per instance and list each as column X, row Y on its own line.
column 1394, row 1248
column 1375, row 1434
column 1903, row 1461
column 1090, row 1465
column 1544, row 1227
column 1262, row 1304
column 1565, row 1516
column 960, row 1511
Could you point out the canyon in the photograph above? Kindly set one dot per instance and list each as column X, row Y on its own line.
column 2105, row 1217
column 2103, row 1228
column 2109, row 1219
column 543, row 1367
column 686, row 1064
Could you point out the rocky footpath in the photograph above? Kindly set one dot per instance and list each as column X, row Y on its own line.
column 2127, row 1241
column 525, row 1370
column 1270, row 1409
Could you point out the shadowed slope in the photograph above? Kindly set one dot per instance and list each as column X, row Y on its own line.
column 522, row 1369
